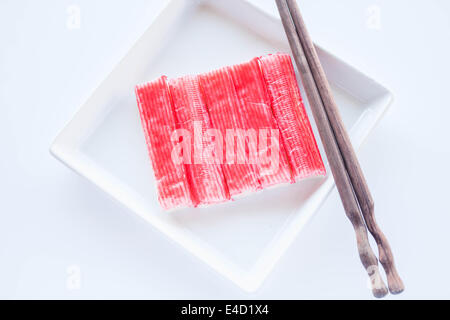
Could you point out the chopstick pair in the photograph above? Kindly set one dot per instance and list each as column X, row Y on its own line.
column 347, row 173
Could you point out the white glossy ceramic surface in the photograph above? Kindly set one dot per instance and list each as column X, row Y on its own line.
column 104, row 142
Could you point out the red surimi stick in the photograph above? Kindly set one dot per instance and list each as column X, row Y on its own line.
column 223, row 107
column 206, row 180
column 257, row 114
column 290, row 113
column 158, row 121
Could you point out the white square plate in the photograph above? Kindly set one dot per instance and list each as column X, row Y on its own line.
column 104, row 142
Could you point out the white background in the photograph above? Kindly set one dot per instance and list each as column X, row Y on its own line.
column 55, row 226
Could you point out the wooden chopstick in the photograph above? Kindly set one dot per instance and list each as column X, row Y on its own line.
column 348, row 154
column 358, row 181
column 335, row 159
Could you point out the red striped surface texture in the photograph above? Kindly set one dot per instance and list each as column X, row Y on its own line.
column 236, row 130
